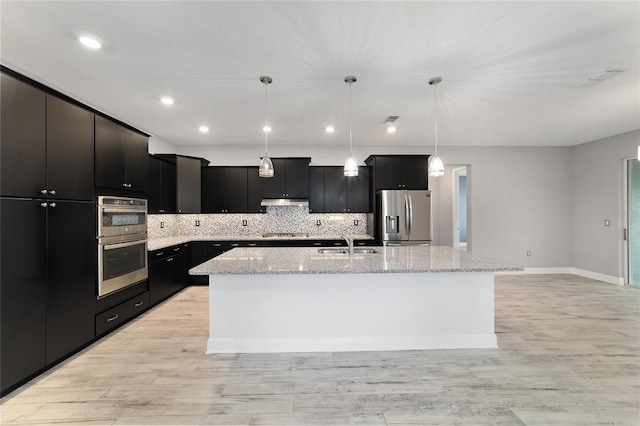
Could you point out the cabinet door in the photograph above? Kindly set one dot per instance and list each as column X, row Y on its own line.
column 69, row 150
column 189, row 185
column 387, row 170
column 136, row 165
column 197, row 255
column 235, row 189
column 22, row 289
column 316, row 189
column 254, row 191
column 109, row 154
column 23, row 135
column 297, row 180
column 168, row 189
column 154, row 201
column 274, row 187
column 414, row 172
column 212, row 189
column 71, row 277
column 359, row 192
column 335, row 190
column 160, row 275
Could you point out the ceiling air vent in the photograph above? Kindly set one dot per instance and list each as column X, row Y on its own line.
column 605, row 75
column 391, row 119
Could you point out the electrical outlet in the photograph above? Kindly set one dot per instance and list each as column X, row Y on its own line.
column 318, row 222
column 197, row 223
column 355, row 222
column 244, row 222
column 607, row 222
column 161, row 224
column 528, row 252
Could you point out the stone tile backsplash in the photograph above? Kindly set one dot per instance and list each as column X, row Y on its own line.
column 276, row 219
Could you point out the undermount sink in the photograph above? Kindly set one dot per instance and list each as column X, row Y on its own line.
column 344, row 250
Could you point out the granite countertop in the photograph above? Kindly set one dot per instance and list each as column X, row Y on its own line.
column 307, row 260
column 160, row 243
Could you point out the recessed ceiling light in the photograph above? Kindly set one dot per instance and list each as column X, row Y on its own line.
column 204, row 129
column 90, row 42
column 167, row 100
column 391, row 129
column 266, row 129
column 329, row 129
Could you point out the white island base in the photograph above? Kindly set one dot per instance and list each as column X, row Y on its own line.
column 350, row 312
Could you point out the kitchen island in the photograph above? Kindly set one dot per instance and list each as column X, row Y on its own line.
column 307, row 300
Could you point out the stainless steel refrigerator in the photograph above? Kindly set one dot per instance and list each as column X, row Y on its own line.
column 404, row 217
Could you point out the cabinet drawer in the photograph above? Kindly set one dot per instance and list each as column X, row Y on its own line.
column 165, row 252
column 121, row 313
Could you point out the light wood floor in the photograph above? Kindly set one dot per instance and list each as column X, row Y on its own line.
column 569, row 355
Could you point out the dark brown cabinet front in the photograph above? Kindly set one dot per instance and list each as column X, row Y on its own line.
column 120, row 157
column 399, row 171
column 231, row 190
column 332, row 192
column 162, row 186
column 290, row 179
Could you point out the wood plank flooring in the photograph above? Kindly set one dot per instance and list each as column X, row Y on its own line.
column 569, row 355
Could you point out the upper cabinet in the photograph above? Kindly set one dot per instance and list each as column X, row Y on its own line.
column 162, row 185
column 332, row 192
column 399, row 171
column 290, row 179
column 231, row 190
column 47, row 144
column 120, row 157
column 186, row 187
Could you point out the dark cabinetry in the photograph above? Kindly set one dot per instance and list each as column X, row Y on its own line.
column 231, row 190
column 330, row 191
column 188, row 183
column 290, row 179
column 162, row 186
column 47, row 144
column 166, row 272
column 399, row 171
column 120, row 157
column 121, row 313
column 47, row 291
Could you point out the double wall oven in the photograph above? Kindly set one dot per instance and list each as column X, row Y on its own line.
column 122, row 243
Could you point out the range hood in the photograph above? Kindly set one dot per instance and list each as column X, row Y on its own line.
column 300, row 202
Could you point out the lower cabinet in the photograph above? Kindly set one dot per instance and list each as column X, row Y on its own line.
column 47, row 284
column 166, row 272
column 112, row 318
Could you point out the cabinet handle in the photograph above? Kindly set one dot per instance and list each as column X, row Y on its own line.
column 140, row 303
column 124, row 185
column 160, row 254
column 176, row 249
column 43, row 191
column 160, row 211
column 252, row 244
column 170, row 259
column 317, row 244
column 44, row 205
column 216, row 244
column 235, row 244
column 52, row 205
column 52, row 192
column 115, row 317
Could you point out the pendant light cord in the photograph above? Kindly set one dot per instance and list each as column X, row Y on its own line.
column 266, row 110
column 435, row 97
column 350, row 134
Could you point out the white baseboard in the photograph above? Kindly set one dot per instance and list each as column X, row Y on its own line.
column 569, row 270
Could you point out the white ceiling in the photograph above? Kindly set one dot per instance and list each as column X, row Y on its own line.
column 508, row 68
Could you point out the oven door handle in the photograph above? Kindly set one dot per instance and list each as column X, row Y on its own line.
column 122, row 245
column 132, row 209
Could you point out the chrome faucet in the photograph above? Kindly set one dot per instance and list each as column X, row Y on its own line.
column 349, row 243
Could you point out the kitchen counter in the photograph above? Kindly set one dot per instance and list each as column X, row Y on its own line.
column 160, row 243
column 308, row 260
column 300, row 300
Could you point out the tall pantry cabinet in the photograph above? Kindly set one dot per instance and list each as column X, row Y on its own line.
column 47, row 229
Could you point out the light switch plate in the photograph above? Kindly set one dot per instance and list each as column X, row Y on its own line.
column 607, row 222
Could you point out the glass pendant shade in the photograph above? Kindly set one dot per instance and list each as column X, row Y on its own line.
column 436, row 167
column 351, row 167
column 266, row 167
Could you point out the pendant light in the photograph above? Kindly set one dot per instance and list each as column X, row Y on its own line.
column 436, row 167
column 266, row 166
column 351, row 165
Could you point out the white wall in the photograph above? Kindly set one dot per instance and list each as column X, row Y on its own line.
column 596, row 195
column 160, row 146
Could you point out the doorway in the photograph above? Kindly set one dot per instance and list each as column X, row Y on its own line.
column 632, row 227
column 460, row 207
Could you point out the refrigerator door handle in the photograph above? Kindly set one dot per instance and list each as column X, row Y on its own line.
column 410, row 221
column 407, row 216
